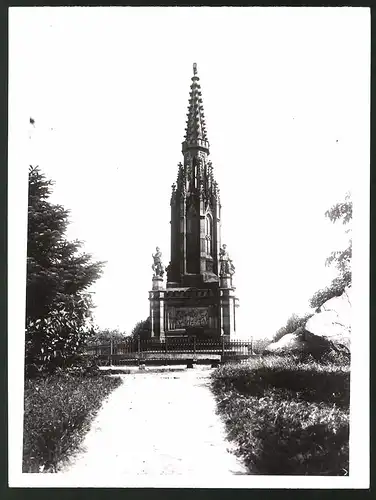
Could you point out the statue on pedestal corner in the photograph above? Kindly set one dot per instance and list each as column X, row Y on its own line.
column 158, row 266
column 227, row 267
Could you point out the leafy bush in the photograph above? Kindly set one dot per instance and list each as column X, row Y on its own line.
column 106, row 335
column 78, row 365
column 286, row 417
column 293, row 323
column 142, row 329
column 339, row 355
column 58, row 410
column 259, row 345
column 335, row 289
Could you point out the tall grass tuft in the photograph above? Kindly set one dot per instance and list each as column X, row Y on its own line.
column 58, row 411
column 287, row 416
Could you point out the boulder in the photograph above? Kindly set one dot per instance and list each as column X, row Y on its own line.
column 300, row 341
column 333, row 319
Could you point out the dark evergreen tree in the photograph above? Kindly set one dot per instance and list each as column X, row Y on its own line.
column 142, row 329
column 58, row 305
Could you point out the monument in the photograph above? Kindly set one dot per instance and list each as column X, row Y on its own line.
column 198, row 299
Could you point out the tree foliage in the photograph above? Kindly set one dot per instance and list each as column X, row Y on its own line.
column 341, row 211
column 58, row 305
column 106, row 335
column 293, row 323
column 335, row 289
column 341, row 259
column 142, row 329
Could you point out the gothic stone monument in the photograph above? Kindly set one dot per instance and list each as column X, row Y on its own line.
column 199, row 297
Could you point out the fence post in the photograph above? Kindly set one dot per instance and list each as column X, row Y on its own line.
column 223, row 345
column 138, row 349
column 111, row 351
column 166, row 343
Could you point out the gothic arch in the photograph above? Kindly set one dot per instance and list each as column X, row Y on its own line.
column 191, row 218
column 193, row 239
column 209, row 233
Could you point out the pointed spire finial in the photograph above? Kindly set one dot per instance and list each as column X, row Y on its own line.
column 195, row 132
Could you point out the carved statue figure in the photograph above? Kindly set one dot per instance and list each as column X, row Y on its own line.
column 157, row 266
column 223, row 253
column 227, row 266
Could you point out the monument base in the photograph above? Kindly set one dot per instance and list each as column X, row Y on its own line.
column 199, row 310
column 226, row 281
column 157, row 283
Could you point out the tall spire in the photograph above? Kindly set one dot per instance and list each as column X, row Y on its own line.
column 195, row 136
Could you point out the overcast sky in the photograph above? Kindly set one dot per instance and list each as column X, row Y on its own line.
column 286, row 100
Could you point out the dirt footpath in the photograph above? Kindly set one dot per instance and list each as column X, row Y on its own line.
column 157, row 424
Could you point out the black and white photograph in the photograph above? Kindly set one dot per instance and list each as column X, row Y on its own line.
column 189, row 247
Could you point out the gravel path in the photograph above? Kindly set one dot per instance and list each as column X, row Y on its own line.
column 157, row 424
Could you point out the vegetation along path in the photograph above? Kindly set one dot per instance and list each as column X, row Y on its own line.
column 158, row 423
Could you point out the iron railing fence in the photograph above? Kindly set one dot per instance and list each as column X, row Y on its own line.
column 184, row 345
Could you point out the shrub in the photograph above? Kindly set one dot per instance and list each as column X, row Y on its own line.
column 142, row 329
column 286, row 417
column 106, row 335
column 293, row 323
column 58, row 410
column 339, row 355
column 259, row 345
column 335, row 289
column 79, row 365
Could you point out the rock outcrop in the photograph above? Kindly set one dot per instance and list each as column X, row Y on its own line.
column 301, row 342
column 333, row 321
column 329, row 329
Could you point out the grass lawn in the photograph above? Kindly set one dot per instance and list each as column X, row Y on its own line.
column 58, row 411
column 287, row 416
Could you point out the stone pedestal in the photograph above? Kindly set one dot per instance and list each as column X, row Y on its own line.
column 227, row 306
column 156, row 298
column 226, row 281
column 157, row 283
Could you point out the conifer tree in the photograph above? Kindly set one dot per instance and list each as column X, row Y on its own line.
column 58, row 305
